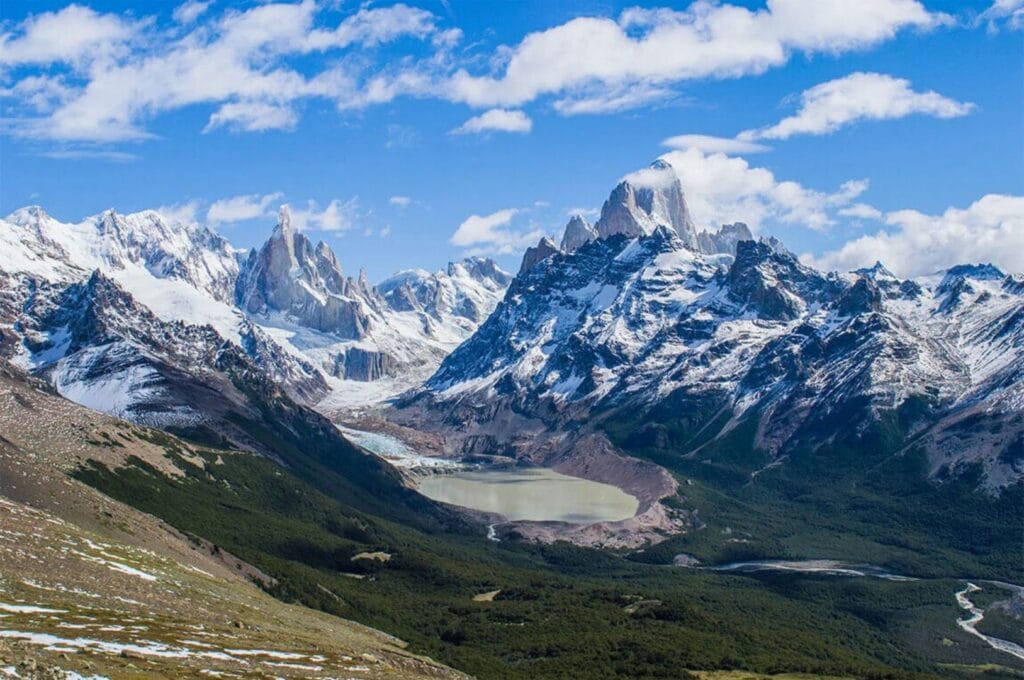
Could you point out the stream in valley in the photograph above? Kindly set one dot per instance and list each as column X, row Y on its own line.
column 543, row 495
column 977, row 615
column 826, row 567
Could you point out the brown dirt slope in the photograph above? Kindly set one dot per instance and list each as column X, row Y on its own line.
column 92, row 586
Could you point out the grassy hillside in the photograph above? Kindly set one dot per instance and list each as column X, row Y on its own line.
column 560, row 608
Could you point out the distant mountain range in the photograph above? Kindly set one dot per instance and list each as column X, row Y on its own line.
column 141, row 316
column 690, row 335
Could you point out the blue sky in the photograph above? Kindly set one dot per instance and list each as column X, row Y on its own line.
column 896, row 134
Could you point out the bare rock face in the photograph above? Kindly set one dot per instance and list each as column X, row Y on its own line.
column 725, row 240
column 366, row 365
column 639, row 321
column 645, row 200
column 289, row 275
column 544, row 249
column 773, row 284
column 649, row 199
column 578, row 232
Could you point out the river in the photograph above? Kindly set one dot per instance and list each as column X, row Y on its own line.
column 826, row 567
column 977, row 615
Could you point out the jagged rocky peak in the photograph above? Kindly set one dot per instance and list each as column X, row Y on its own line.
column 481, row 269
column 645, row 200
column 966, row 281
column 963, row 272
column 578, row 232
column 862, row 297
column 289, row 275
column 776, row 246
column 725, row 239
column 544, row 249
column 772, row 283
column 876, row 272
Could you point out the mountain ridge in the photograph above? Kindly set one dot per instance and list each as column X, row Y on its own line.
column 287, row 303
column 651, row 311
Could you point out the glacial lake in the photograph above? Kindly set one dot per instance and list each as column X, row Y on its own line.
column 535, row 494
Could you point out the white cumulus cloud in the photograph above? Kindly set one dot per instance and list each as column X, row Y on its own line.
column 73, row 35
column 188, row 12
column 253, row 117
column 337, row 215
column 989, row 230
column 240, row 61
column 494, row 234
column 722, row 189
column 710, row 144
column 862, row 211
column 242, row 207
column 180, row 212
column 496, row 120
column 830, row 106
column 253, row 65
column 656, row 47
column 1004, row 12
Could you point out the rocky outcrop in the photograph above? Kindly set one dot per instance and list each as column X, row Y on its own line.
column 646, row 200
column 356, row 363
column 544, row 249
column 773, row 284
column 578, row 232
column 289, row 275
column 725, row 240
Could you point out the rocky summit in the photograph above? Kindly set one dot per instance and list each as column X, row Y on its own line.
column 718, row 331
column 119, row 310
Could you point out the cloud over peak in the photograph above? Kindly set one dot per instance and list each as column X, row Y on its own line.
column 721, row 189
column 989, row 230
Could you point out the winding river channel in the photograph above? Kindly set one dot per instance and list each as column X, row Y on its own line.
column 977, row 615
column 541, row 494
column 826, row 567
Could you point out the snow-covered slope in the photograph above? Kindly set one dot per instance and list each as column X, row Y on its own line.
column 453, row 302
column 287, row 308
column 181, row 271
column 371, row 342
column 652, row 321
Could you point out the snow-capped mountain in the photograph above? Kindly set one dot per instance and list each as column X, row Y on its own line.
column 135, row 314
column 394, row 335
column 289, row 275
column 462, row 296
column 708, row 331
